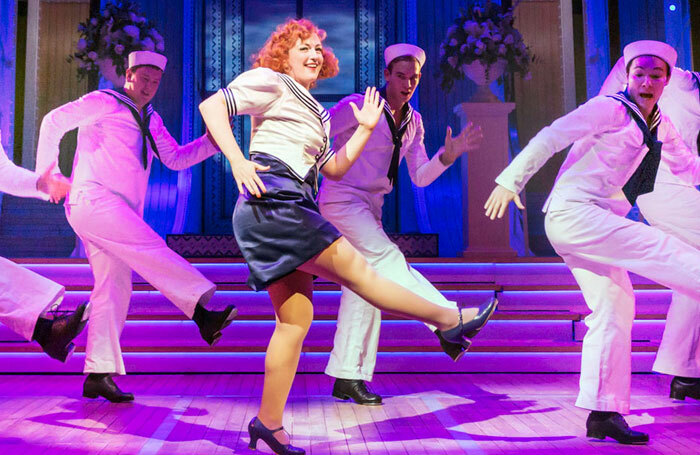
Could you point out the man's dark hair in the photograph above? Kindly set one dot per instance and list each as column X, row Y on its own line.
column 403, row 58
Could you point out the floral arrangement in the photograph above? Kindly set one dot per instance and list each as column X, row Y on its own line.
column 485, row 34
column 118, row 30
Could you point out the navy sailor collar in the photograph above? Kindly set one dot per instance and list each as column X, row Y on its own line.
column 624, row 97
column 122, row 96
column 406, row 108
column 305, row 98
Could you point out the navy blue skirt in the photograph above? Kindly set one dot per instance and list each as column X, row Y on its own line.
column 283, row 228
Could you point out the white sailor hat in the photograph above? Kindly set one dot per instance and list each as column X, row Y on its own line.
column 138, row 58
column 649, row 47
column 399, row 50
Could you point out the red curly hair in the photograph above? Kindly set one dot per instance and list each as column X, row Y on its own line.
column 275, row 52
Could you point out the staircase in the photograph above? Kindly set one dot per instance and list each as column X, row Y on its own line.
column 538, row 326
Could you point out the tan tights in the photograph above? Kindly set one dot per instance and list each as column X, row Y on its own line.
column 291, row 299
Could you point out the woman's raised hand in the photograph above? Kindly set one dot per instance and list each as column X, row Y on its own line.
column 371, row 110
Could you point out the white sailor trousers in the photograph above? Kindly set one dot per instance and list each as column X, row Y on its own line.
column 675, row 209
column 356, row 340
column 117, row 241
column 600, row 247
column 24, row 296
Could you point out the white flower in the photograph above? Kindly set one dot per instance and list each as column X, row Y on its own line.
column 480, row 45
column 451, row 31
column 478, row 51
column 93, row 21
column 155, row 35
column 452, row 61
column 82, row 44
column 132, row 30
column 509, row 39
column 502, row 49
column 119, row 49
column 92, row 56
column 453, row 42
column 463, row 49
column 132, row 17
column 148, row 44
column 160, row 46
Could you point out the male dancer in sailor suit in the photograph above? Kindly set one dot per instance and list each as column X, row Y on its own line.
column 354, row 205
column 674, row 207
column 26, row 297
column 119, row 132
column 617, row 145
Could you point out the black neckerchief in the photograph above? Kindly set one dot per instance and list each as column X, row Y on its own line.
column 642, row 181
column 143, row 123
column 396, row 134
column 697, row 81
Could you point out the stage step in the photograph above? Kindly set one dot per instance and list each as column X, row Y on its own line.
column 538, row 326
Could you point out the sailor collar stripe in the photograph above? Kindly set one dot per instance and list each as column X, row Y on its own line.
column 406, row 118
column 305, row 99
column 656, row 115
column 126, row 100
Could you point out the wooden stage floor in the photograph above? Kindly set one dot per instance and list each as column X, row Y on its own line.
column 423, row 414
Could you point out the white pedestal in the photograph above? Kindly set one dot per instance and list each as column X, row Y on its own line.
column 484, row 238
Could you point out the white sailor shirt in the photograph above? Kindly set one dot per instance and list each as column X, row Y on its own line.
column 608, row 147
column 368, row 174
column 680, row 102
column 108, row 156
column 287, row 122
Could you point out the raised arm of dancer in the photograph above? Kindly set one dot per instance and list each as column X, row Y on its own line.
column 252, row 92
column 422, row 170
column 367, row 118
column 682, row 161
column 176, row 156
column 598, row 114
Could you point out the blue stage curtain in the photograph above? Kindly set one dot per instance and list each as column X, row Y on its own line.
column 8, row 39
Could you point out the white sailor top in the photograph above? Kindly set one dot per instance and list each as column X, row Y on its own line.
column 368, row 175
column 608, row 146
column 109, row 155
column 18, row 181
column 288, row 123
column 680, row 102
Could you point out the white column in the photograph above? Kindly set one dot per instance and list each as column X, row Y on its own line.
column 31, row 85
column 484, row 239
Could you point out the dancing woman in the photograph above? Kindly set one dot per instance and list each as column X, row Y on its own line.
column 277, row 224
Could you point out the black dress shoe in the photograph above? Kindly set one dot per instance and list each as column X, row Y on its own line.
column 257, row 430
column 613, row 426
column 462, row 331
column 101, row 384
column 454, row 350
column 211, row 323
column 685, row 387
column 355, row 389
column 55, row 336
